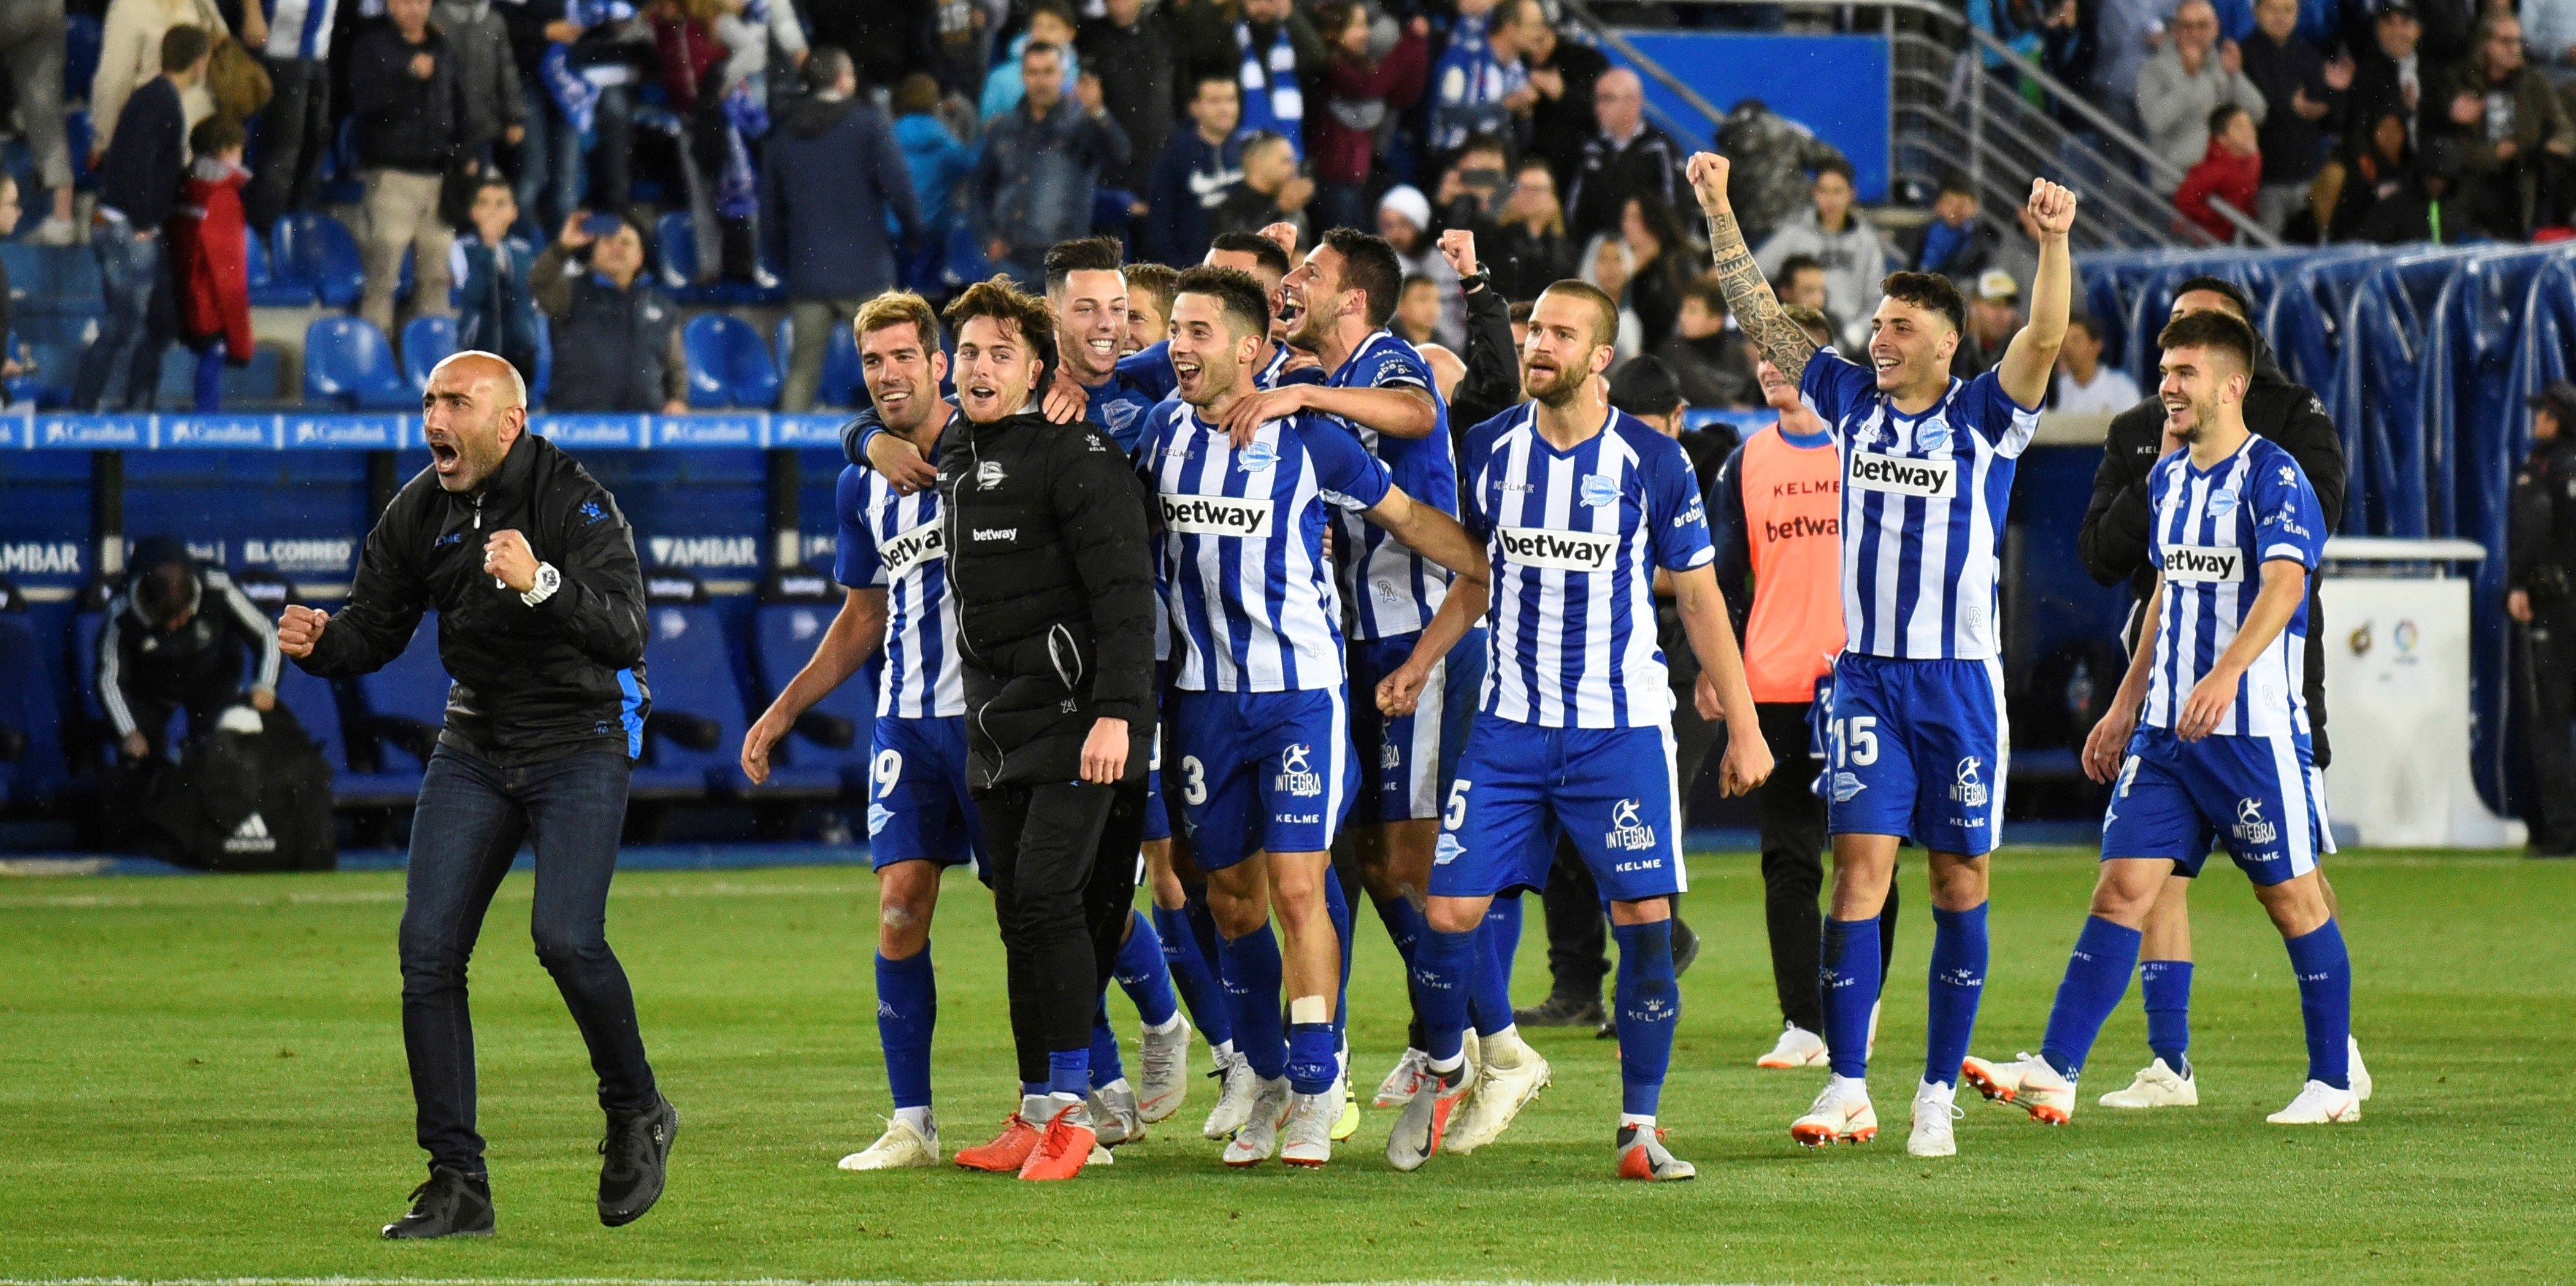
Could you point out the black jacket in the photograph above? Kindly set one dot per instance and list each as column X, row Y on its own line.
column 1492, row 384
column 1651, row 164
column 2293, row 146
column 139, row 176
column 615, row 350
column 404, row 123
column 2113, row 540
column 2540, row 545
column 831, row 174
column 531, row 683
column 189, row 666
column 1047, row 561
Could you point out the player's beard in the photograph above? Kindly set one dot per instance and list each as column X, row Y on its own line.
column 1313, row 328
column 2203, row 414
column 1562, row 388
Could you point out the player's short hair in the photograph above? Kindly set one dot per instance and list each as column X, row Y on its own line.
column 1041, row 49
column 1521, row 309
column 1154, row 281
column 1263, row 250
column 1837, row 165
column 215, row 134
column 899, row 308
column 2208, row 330
column 182, row 46
column 1928, row 290
column 1001, row 300
column 916, row 94
column 1240, row 294
column 1819, row 328
column 2233, row 293
column 1082, row 254
column 1369, row 266
column 1605, row 321
column 826, row 65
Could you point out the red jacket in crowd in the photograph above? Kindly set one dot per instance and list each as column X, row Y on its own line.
column 209, row 260
column 2227, row 176
column 1342, row 152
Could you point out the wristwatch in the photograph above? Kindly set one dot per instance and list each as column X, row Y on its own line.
column 548, row 581
column 1471, row 284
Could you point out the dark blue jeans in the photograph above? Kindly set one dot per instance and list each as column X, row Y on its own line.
column 128, row 270
column 471, row 819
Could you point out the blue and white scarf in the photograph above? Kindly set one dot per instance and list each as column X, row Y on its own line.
column 1271, row 99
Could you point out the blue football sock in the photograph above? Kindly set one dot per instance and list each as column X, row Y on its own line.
column 1194, row 906
column 1252, row 993
column 1649, row 1003
column 1104, row 1061
column 1337, row 908
column 1190, row 974
column 1850, row 984
column 1069, row 1072
column 1313, row 1061
column 1958, row 982
column 1143, row 975
column 907, row 1011
column 1033, row 1089
column 1444, row 966
column 2324, row 969
column 2097, row 975
column 1404, row 924
column 1490, row 1002
column 2167, row 984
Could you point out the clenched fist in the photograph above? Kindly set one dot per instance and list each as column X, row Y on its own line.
column 507, row 559
column 1458, row 246
column 299, row 629
column 2051, row 208
column 1708, row 173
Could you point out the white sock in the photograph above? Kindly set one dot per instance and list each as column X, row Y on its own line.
column 1034, row 1108
column 1644, row 1123
column 1504, row 1048
column 1168, row 1025
column 1860, row 1083
column 1224, row 1051
column 1444, row 1066
column 918, row 1118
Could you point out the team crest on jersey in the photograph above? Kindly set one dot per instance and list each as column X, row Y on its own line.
column 1626, row 831
column 878, row 816
column 1597, row 490
column 1447, row 850
column 1847, row 786
column 1295, row 777
column 988, row 475
column 1969, row 788
column 1256, row 457
column 1122, row 414
column 2251, row 827
column 2221, row 503
column 1933, row 436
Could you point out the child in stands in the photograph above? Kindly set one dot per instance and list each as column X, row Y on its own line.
column 210, row 260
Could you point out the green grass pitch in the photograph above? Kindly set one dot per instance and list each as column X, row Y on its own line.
column 203, row 1078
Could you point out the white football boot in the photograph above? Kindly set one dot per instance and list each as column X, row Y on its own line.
column 1163, row 1077
column 1259, row 1136
column 1307, row 1139
column 1841, row 1114
column 1114, row 1115
column 1397, row 1089
column 1642, row 1156
column 1797, row 1047
column 2360, row 1075
column 1935, row 1108
column 901, row 1147
column 2319, row 1104
column 2157, row 1086
column 2027, row 1082
column 1502, row 1090
column 1238, row 1085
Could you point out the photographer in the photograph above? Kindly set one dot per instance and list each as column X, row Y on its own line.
column 617, row 336
column 2540, row 576
column 174, row 639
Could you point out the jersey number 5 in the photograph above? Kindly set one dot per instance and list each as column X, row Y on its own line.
column 1455, row 815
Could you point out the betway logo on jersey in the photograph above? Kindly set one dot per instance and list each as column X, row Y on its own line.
column 1801, row 526
column 2204, row 564
column 1569, row 551
column 1901, row 476
column 1626, row 831
column 910, row 549
column 1238, row 516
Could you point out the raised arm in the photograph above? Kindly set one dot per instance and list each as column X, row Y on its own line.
column 2032, row 354
column 1748, row 293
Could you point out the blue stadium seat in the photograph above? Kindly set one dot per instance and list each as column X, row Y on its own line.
column 318, row 250
column 675, row 242
column 783, row 638
column 545, row 365
column 347, row 362
column 844, row 381
column 728, row 366
column 35, row 386
column 693, row 741
column 31, row 745
column 267, row 289
column 427, row 341
column 399, row 710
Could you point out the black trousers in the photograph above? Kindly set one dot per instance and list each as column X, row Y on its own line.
column 2548, row 701
column 1792, row 820
column 1064, row 878
column 294, row 132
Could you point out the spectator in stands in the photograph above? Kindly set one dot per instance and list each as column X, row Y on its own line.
column 1149, row 306
column 492, row 109
column 496, row 309
column 2514, row 134
column 1842, row 242
column 404, row 93
column 1373, row 72
column 31, row 51
column 2086, row 384
column 2377, row 164
column 616, row 335
column 2540, row 576
column 10, row 366
column 1133, row 54
column 295, row 127
column 1417, row 312
column 2549, row 29
column 547, row 163
column 129, row 57
column 1666, row 261
column 1270, row 191
column 1564, row 73
column 1050, row 23
column 1994, row 316
column 1957, row 243
column 1530, row 251
column 2427, row 208
column 138, row 184
column 1709, row 363
column 1800, row 283
column 1626, row 158
column 2192, row 76
column 962, row 44
column 1404, row 219
column 835, row 177
column 209, row 261
column 1768, row 184
column 1278, row 48
column 2389, row 73
column 1471, row 187
column 2127, row 33
column 1042, row 160
column 175, row 638
column 940, row 167
column 1609, row 264
column 2232, row 171
column 1479, row 85
column 2307, row 92
column 1191, row 178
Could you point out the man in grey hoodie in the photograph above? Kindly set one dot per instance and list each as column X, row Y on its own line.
column 491, row 110
column 2188, row 79
column 1832, row 232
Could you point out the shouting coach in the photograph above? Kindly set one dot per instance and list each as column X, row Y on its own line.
column 540, row 604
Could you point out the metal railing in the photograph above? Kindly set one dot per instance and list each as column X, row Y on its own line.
column 1950, row 115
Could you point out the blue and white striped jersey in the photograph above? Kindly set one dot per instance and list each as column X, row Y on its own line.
column 2213, row 532
column 1393, row 590
column 893, row 542
column 1923, row 510
column 1575, row 538
column 1252, row 601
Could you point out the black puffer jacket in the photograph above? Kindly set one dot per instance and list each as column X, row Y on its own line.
column 1047, row 560
column 531, row 683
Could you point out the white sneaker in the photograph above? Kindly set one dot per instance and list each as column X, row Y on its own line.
column 1935, row 1107
column 1841, row 1114
column 1307, row 1138
column 1259, row 1136
column 2319, row 1104
column 1114, row 1117
column 2027, row 1082
column 1798, row 1047
column 1163, row 1077
column 2360, row 1075
column 2157, row 1086
column 901, row 1147
column 1397, row 1089
column 1501, row 1092
column 1238, row 1086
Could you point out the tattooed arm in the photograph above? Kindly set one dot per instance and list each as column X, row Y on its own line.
column 1748, row 295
